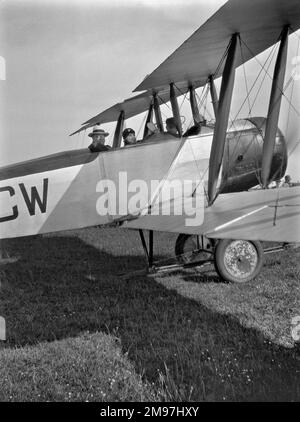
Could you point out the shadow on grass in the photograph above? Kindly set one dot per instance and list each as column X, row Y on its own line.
column 61, row 286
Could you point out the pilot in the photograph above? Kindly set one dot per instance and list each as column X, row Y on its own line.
column 287, row 183
column 171, row 127
column 129, row 137
column 155, row 135
column 98, row 136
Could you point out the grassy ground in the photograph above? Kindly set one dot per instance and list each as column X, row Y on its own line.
column 86, row 368
column 187, row 337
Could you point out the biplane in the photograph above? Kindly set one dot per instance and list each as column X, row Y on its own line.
column 210, row 184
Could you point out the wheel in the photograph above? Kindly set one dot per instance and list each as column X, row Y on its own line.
column 238, row 261
column 190, row 249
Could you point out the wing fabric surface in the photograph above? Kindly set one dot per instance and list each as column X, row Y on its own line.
column 255, row 215
column 259, row 23
column 131, row 107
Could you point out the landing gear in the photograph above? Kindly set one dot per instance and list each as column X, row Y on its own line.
column 238, row 261
column 193, row 249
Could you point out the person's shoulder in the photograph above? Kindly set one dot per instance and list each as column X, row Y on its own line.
column 99, row 148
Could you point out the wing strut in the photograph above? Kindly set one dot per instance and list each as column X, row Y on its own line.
column 157, row 112
column 148, row 250
column 119, row 129
column 175, row 108
column 274, row 108
column 213, row 94
column 148, row 120
column 218, row 143
column 194, row 105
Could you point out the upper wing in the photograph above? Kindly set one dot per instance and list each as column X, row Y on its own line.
column 259, row 23
column 132, row 106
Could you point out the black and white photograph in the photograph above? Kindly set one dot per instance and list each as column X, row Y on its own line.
column 149, row 204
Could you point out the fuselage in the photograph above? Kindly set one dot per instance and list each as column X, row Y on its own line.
column 78, row 189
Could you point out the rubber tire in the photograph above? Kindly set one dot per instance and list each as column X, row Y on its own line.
column 221, row 268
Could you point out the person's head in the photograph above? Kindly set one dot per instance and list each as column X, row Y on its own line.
column 171, row 126
column 152, row 129
column 287, row 178
column 98, row 136
column 129, row 136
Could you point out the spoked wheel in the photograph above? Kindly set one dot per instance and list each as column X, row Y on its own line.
column 238, row 261
column 193, row 249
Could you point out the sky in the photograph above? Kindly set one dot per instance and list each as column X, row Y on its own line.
column 68, row 60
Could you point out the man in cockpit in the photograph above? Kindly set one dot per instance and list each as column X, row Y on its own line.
column 155, row 135
column 98, row 136
column 171, row 127
column 129, row 137
column 196, row 129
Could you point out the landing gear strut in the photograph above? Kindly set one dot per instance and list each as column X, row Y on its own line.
column 148, row 249
column 193, row 249
column 236, row 261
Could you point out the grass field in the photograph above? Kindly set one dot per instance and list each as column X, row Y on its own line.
column 77, row 329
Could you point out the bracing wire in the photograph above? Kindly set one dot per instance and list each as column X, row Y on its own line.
column 268, row 74
column 142, row 124
column 245, row 77
column 270, row 56
column 266, row 69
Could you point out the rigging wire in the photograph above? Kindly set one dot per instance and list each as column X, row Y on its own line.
column 142, row 124
column 256, row 79
column 298, row 52
column 215, row 74
column 266, row 69
column 282, row 92
column 205, row 93
column 199, row 102
column 202, row 98
column 205, row 104
column 182, row 102
column 245, row 77
column 164, row 103
column 270, row 56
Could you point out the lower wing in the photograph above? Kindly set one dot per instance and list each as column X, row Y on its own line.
column 266, row 215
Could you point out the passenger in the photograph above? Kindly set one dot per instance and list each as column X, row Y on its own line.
column 129, row 137
column 171, row 127
column 196, row 128
column 156, row 135
column 152, row 131
column 193, row 130
column 98, row 136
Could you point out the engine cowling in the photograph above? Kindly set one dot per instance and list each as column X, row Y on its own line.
column 243, row 155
